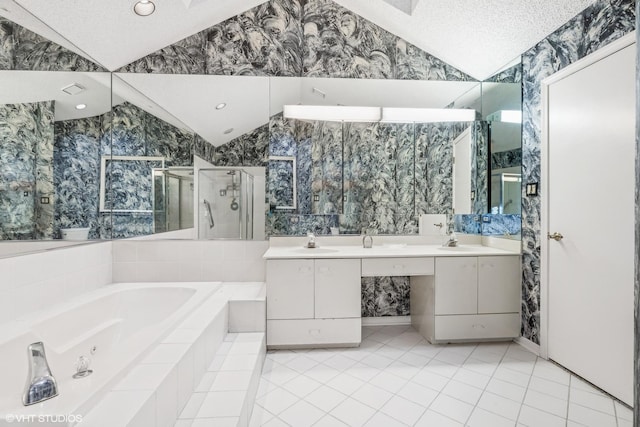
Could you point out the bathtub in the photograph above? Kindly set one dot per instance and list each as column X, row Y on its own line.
column 115, row 326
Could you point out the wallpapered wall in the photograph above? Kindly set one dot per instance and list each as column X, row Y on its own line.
column 597, row 26
column 26, row 170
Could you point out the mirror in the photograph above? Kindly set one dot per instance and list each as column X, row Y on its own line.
column 54, row 129
column 374, row 176
column 214, row 130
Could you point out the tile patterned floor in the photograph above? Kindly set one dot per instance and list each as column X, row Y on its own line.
column 396, row 378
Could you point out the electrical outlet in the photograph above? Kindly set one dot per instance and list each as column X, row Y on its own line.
column 44, row 200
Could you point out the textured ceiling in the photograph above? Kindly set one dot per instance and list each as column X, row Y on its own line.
column 478, row 37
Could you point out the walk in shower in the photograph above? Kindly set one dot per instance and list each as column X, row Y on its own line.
column 225, row 204
column 173, row 191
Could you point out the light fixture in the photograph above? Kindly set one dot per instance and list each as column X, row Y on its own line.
column 228, row 131
column 427, row 115
column 376, row 114
column 506, row 116
column 81, row 106
column 221, row 106
column 333, row 113
column 144, row 8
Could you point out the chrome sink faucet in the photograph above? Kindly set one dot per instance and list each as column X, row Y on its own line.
column 367, row 241
column 41, row 385
column 311, row 243
column 452, row 241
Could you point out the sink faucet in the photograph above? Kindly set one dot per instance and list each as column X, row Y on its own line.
column 367, row 241
column 311, row 244
column 452, row 241
column 41, row 385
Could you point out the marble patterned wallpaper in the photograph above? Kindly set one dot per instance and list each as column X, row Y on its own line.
column 21, row 49
column 595, row 27
column 636, row 345
column 506, row 159
column 134, row 132
column 26, row 170
column 308, row 38
column 76, row 155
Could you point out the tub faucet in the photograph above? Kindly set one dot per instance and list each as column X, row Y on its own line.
column 41, row 385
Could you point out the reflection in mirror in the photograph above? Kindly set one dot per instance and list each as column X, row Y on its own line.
column 378, row 177
column 173, row 198
column 54, row 129
column 198, row 121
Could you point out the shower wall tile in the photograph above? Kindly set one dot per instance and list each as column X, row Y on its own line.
column 76, row 155
column 595, row 27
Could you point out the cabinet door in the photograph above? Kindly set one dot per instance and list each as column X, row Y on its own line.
column 337, row 292
column 499, row 284
column 456, row 285
column 290, row 289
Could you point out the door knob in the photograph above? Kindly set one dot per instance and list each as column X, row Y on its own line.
column 555, row 236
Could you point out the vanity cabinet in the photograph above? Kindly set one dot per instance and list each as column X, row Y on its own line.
column 313, row 302
column 469, row 298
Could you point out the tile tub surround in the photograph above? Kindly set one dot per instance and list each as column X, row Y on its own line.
column 31, row 282
column 595, row 27
column 156, row 390
column 188, row 260
column 396, row 378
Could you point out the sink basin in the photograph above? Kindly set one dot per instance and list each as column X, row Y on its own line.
column 314, row 251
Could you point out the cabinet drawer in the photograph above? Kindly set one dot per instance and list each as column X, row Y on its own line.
column 313, row 332
column 479, row 326
column 397, row 267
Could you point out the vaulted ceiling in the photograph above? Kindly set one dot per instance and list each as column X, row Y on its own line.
column 477, row 37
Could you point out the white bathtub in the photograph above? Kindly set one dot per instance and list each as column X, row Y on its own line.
column 121, row 322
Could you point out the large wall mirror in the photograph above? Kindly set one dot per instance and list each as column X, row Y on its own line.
column 100, row 156
column 54, row 129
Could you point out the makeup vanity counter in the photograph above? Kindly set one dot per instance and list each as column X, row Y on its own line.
column 466, row 293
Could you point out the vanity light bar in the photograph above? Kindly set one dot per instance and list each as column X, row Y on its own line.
column 333, row 113
column 427, row 115
column 340, row 113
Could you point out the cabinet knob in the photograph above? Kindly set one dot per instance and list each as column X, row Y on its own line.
column 478, row 326
column 323, row 269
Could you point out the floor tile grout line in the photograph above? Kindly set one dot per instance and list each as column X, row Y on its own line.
column 526, row 390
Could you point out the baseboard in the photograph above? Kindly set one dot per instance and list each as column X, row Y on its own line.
column 386, row 321
column 529, row 345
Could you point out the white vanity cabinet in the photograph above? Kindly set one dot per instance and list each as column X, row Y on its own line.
column 313, row 302
column 468, row 299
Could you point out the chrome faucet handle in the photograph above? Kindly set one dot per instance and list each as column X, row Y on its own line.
column 367, row 241
column 41, row 385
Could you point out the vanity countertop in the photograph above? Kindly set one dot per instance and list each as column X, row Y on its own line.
column 381, row 251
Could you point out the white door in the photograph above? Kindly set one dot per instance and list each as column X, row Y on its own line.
column 591, row 152
column 462, row 173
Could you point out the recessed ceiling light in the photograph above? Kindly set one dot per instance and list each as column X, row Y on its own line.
column 221, row 106
column 81, row 106
column 144, row 8
column 228, row 131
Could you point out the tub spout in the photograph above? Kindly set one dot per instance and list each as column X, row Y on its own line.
column 41, row 385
